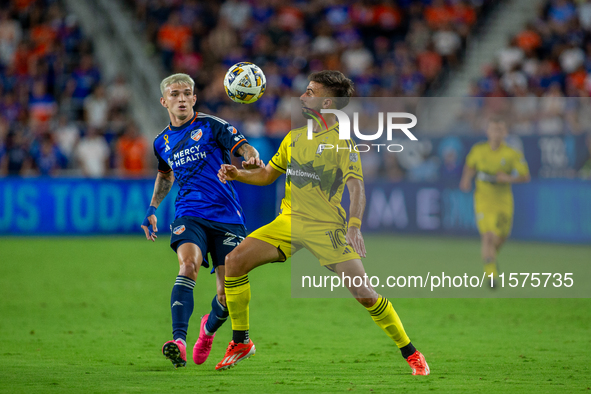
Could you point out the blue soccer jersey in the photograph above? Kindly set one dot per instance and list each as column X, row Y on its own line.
column 195, row 152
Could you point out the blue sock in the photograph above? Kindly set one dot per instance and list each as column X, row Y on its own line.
column 181, row 306
column 217, row 316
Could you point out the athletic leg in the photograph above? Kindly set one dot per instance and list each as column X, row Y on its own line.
column 382, row 313
column 225, row 241
column 211, row 322
column 181, row 302
column 498, row 242
column 222, row 240
column 250, row 254
column 489, row 253
column 380, row 308
column 219, row 310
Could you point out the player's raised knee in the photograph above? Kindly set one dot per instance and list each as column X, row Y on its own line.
column 233, row 260
column 235, row 264
column 189, row 267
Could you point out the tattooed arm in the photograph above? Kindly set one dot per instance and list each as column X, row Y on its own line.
column 162, row 186
column 251, row 157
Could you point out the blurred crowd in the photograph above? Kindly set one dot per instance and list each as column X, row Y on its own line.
column 388, row 48
column 546, row 68
column 57, row 114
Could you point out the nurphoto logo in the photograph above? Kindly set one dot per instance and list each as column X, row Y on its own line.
column 345, row 129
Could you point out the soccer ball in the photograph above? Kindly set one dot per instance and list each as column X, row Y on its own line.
column 245, row 83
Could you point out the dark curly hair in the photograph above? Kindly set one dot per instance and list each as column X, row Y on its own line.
column 336, row 83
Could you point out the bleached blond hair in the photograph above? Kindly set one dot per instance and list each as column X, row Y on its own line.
column 176, row 78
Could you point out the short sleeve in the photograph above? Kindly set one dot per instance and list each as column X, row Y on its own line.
column 350, row 162
column 162, row 164
column 520, row 165
column 472, row 158
column 279, row 160
column 229, row 138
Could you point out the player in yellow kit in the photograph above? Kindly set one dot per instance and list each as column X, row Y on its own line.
column 311, row 217
column 496, row 166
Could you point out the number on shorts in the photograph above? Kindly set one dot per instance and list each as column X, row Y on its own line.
column 232, row 239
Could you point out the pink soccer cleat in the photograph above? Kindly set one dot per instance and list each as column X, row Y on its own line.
column 176, row 352
column 203, row 345
column 418, row 364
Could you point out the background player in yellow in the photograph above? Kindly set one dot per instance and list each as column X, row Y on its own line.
column 311, row 217
column 496, row 166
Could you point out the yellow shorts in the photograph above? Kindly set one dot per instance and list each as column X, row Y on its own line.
column 495, row 219
column 326, row 241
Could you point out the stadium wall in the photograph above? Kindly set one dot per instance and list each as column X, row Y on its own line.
column 66, row 206
column 550, row 210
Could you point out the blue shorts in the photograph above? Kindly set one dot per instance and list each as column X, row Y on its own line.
column 217, row 239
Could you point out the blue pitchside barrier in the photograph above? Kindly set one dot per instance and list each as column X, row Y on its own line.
column 549, row 210
column 55, row 206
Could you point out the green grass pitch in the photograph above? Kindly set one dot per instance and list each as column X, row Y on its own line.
column 89, row 315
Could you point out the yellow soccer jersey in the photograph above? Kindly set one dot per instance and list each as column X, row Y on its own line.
column 316, row 174
column 488, row 163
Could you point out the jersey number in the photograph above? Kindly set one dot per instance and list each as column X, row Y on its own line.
column 232, row 239
column 335, row 237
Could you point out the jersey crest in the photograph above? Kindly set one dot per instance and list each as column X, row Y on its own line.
column 196, row 135
column 179, row 230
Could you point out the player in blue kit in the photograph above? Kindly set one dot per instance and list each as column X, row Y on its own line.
column 208, row 215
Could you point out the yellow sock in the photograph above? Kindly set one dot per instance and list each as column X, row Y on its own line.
column 491, row 268
column 237, row 298
column 384, row 315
